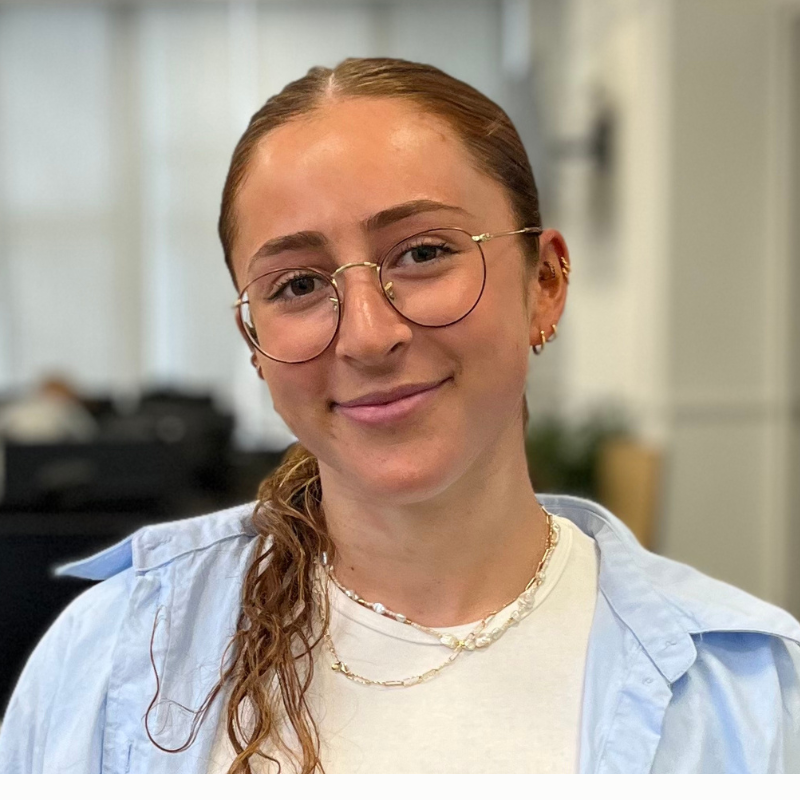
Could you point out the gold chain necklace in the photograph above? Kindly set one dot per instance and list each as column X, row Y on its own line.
column 477, row 638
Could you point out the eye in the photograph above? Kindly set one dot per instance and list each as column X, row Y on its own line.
column 423, row 252
column 300, row 286
column 295, row 286
column 420, row 253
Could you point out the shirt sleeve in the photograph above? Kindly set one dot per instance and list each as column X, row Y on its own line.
column 787, row 758
column 55, row 718
column 737, row 709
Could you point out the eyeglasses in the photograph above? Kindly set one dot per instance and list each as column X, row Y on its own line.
column 434, row 279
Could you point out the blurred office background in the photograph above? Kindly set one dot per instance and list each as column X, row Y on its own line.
column 665, row 137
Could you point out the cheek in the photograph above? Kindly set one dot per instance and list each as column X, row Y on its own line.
column 500, row 340
column 500, row 375
column 297, row 391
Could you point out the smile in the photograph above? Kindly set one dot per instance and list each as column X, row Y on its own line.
column 391, row 406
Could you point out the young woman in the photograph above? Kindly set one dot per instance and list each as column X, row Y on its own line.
column 399, row 599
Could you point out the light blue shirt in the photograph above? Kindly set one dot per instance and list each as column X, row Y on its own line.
column 683, row 673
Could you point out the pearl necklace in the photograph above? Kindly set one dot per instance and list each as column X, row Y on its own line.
column 477, row 638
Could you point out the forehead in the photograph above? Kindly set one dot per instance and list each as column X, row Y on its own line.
column 351, row 158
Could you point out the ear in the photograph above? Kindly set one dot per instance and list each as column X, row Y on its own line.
column 547, row 287
column 249, row 343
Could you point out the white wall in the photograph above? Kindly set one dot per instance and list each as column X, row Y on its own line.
column 719, row 500
column 791, row 411
column 680, row 303
column 615, row 53
column 118, row 122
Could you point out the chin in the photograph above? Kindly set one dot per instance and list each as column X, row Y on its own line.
column 398, row 478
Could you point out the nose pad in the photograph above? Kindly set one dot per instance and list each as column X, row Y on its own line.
column 389, row 291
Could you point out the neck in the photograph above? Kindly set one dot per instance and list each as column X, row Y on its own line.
column 449, row 560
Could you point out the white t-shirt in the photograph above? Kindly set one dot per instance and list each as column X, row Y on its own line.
column 511, row 707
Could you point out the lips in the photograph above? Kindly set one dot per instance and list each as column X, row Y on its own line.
column 390, row 407
column 382, row 398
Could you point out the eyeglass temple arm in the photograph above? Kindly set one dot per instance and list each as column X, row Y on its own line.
column 485, row 237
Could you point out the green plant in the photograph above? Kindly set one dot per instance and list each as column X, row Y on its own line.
column 563, row 456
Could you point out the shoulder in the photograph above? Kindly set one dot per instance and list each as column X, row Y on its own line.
column 155, row 545
column 730, row 662
column 64, row 682
column 698, row 603
column 736, row 709
column 57, row 714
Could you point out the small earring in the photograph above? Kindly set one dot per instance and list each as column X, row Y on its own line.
column 565, row 268
column 537, row 348
column 256, row 365
column 554, row 333
column 552, row 270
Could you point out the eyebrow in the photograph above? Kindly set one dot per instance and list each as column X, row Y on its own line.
column 397, row 213
column 302, row 240
column 314, row 240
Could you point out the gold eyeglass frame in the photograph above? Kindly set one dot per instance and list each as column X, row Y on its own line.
column 386, row 290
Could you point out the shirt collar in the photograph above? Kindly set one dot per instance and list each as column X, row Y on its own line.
column 662, row 602
column 155, row 545
column 632, row 597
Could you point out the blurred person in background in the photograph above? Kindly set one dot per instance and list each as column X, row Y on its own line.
column 52, row 413
column 399, row 599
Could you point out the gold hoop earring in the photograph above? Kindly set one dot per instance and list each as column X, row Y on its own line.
column 537, row 348
column 554, row 333
column 565, row 268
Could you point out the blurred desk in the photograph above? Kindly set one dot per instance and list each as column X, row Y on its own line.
column 90, row 476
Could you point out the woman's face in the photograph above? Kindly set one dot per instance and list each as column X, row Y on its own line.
column 332, row 173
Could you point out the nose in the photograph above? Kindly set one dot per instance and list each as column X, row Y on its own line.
column 370, row 328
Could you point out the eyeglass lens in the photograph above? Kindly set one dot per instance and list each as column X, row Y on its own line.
column 432, row 279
